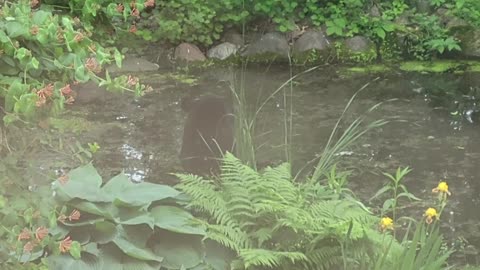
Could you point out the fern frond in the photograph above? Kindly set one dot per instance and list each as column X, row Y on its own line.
column 326, row 257
column 268, row 258
column 204, row 197
column 229, row 236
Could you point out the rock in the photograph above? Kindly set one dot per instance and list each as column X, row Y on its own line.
column 358, row 44
column 233, row 37
column 470, row 42
column 443, row 14
column 274, row 43
column 374, row 11
column 188, row 52
column 311, row 39
column 292, row 36
column 424, row 6
column 222, row 51
column 133, row 64
column 358, row 49
column 456, row 22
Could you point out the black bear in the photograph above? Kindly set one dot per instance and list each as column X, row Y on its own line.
column 207, row 134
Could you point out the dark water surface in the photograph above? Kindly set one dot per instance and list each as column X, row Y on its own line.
column 430, row 130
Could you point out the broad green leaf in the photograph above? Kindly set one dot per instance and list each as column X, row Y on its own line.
column 40, row 16
column 29, row 257
column 136, row 217
column 42, row 36
column 65, row 261
column 91, row 248
column 84, row 183
column 179, row 250
column 113, row 258
column 3, row 37
column 132, row 249
column 104, row 232
column 117, row 184
column 380, row 33
column 8, row 60
column 91, row 220
column 75, row 250
column 131, row 194
column 15, row 29
column 175, row 219
column 388, row 26
column 34, row 63
column 218, row 256
column 387, row 205
column 26, row 105
column 22, row 53
column 80, row 73
column 106, row 210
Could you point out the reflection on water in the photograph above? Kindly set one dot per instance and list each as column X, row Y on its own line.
column 431, row 129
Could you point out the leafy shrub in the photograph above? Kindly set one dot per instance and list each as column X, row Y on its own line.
column 271, row 221
column 425, row 37
column 116, row 225
column 42, row 54
column 195, row 21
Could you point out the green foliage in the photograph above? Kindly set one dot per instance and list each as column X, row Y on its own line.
column 425, row 37
column 423, row 251
column 468, row 10
column 352, row 133
column 269, row 222
column 194, row 21
column 42, row 52
column 397, row 191
column 113, row 224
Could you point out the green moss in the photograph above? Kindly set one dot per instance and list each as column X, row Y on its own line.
column 389, row 49
column 369, row 69
column 266, row 58
column 441, row 66
column 181, row 78
column 311, row 57
column 346, row 55
column 70, row 124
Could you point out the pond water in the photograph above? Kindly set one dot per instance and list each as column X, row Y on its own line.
column 432, row 129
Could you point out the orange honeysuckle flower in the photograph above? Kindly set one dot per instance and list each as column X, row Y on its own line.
column 63, row 179
column 41, row 232
column 25, row 234
column 66, row 90
column 149, row 3
column 65, row 245
column 92, row 65
column 132, row 81
column 133, row 28
column 62, row 218
column 135, row 12
column 120, row 8
column 28, row 247
column 34, row 3
column 78, row 37
column 75, row 215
